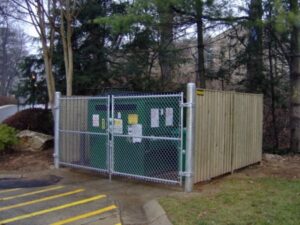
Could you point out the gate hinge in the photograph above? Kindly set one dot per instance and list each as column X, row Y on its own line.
column 187, row 105
column 185, row 174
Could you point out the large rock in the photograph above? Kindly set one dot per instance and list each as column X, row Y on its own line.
column 33, row 141
column 271, row 157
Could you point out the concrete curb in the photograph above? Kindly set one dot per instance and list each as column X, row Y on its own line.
column 155, row 214
column 10, row 176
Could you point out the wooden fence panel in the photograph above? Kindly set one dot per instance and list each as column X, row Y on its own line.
column 213, row 134
column 247, row 130
column 228, row 132
column 73, row 117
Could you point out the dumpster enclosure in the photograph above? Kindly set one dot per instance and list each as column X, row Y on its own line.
column 138, row 136
column 160, row 137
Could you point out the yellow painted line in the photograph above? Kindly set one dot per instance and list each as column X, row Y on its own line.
column 45, row 211
column 40, row 200
column 31, row 193
column 9, row 190
column 118, row 224
column 85, row 215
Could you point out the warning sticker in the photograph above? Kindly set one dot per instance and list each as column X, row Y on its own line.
column 154, row 118
column 169, row 116
column 103, row 124
column 118, row 126
column 96, row 120
column 200, row 92
column 136, row 131
column 133, row 119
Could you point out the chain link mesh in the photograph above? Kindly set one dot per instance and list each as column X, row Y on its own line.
column 136, row 136
column 84, row 135
column 147, row 137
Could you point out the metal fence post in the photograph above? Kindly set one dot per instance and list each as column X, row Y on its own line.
column 190, row 137
column 56, row 129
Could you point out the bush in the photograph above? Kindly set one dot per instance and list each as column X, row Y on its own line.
column 7, row 136
column 39, row 120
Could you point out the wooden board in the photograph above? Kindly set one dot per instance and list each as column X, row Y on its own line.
column 228, row 132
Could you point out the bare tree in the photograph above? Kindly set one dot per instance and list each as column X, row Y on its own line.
column 68, row 13
column 42, row 15
column 12, row 48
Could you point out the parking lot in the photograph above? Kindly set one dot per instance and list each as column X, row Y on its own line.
column 57, row 205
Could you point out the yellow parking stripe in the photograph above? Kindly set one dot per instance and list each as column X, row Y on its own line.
column 9, row 190
column 45, row 211
column 31, row 193
column 85, row 215
column 40, row 200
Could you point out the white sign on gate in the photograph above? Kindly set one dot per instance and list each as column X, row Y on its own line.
column 154, row 118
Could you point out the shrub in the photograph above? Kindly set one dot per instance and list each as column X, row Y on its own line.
column 39, row 120
column 7, row 136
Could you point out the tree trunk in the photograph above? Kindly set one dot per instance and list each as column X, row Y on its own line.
column 49, row 77
column 66, row 36
column 166, row 39
column 295, row 81
column 255, row 47
column 4, row 72
column 273, row 107
column 200, row 73
column 70, row 63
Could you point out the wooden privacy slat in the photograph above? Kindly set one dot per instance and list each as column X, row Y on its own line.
column 73, row 116
column 228, row 132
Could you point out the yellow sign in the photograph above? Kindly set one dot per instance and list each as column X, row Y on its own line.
column 133, row 119
column 118, row 122
column 200, row 92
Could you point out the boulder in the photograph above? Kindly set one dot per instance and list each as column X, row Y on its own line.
column 33, row 141
column 271, row 157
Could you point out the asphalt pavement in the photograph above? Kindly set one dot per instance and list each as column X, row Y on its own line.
column 78, row 197
column 56, row 205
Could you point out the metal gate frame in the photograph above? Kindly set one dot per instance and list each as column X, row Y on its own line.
column 59, row 131
column 180, row 105
column 190, row 132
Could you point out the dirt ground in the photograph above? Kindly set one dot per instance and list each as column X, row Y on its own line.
column 26, row 161
column 276, row 166
column 271, row 166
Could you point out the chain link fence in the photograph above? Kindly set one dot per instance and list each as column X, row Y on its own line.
column 84, row 134
column 138, row 136
column 147, row 137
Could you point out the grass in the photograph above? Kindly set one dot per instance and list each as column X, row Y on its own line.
column 239, row 201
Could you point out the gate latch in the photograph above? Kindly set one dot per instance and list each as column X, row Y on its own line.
column 187, row 105
column 185, row 174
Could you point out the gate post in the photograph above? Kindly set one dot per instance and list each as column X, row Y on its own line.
column 56, row 129
column 190, row 137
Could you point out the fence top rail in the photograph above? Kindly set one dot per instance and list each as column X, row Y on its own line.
column 148, row 96
column 83, row 97
column 234, row 92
